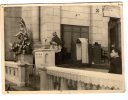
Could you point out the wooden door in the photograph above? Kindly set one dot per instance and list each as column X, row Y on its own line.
column 70, row 33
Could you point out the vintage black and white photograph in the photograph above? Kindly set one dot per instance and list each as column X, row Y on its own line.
column 63, row 47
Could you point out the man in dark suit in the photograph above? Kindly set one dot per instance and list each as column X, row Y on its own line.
column 56, row 39
column 56, row 44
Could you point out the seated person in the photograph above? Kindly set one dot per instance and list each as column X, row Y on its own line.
column 115, row 62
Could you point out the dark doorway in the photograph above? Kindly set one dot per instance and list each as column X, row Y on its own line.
column 114, row 36
column 70, row 33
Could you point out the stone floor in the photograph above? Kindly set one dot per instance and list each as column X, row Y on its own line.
column 96, row 67
column 97, row 70
column 13, row 87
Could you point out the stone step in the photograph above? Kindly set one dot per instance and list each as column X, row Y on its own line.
column 16, row 88
column 9, row 86
column 100, row 66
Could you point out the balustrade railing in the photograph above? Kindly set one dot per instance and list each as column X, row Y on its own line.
column 74, row 79
column 17, row 73
column 58, row 78
column 11, row 72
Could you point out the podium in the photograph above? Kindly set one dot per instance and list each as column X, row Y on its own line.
column 44, row 58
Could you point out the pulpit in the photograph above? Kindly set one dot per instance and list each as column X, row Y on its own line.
column 44, row 58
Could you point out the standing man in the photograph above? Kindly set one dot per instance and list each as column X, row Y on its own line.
column 56, row 44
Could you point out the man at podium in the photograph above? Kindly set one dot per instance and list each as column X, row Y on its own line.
column 56, row 44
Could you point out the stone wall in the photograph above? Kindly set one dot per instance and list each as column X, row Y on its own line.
column 91, row 16
column 31, row 17
column 11, row 27
column 43, row 21
column 99, row 26
column 75, row 15
column 51, row 18
column 50, row 22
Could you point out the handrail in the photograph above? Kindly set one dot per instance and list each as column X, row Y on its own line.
column 17, row 72
column 96, row 78
column 16, row 64
column 11, row 64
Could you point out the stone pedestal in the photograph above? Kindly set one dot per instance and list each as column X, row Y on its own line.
column 22, row 75
column 36, row 27
column 25, row 59
column 43, row 79
column 44, row 58
column 25, row 63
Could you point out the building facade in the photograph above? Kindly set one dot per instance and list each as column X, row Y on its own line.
column 97, row 23
column 89, row 24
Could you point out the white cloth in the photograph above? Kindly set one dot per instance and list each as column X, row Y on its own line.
column 57, row 48
column 82, row 50
column 78, row 51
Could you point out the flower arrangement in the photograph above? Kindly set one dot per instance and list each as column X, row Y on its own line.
column 23, row 46
column 14, row 47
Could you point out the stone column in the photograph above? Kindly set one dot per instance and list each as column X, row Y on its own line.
column 119, row 33
column 91, row 25
column 26, row 15
column 105, row 31
column 97, row 27
column 31, row 17
column 35, row 27
column 21, row 75
column 43, row 79
column 50, row 22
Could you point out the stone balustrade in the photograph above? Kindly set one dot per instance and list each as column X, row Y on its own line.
column 17, row 73
column 57, row 78
column 74, row 79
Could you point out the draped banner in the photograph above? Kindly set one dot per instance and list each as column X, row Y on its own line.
column 82, row 49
